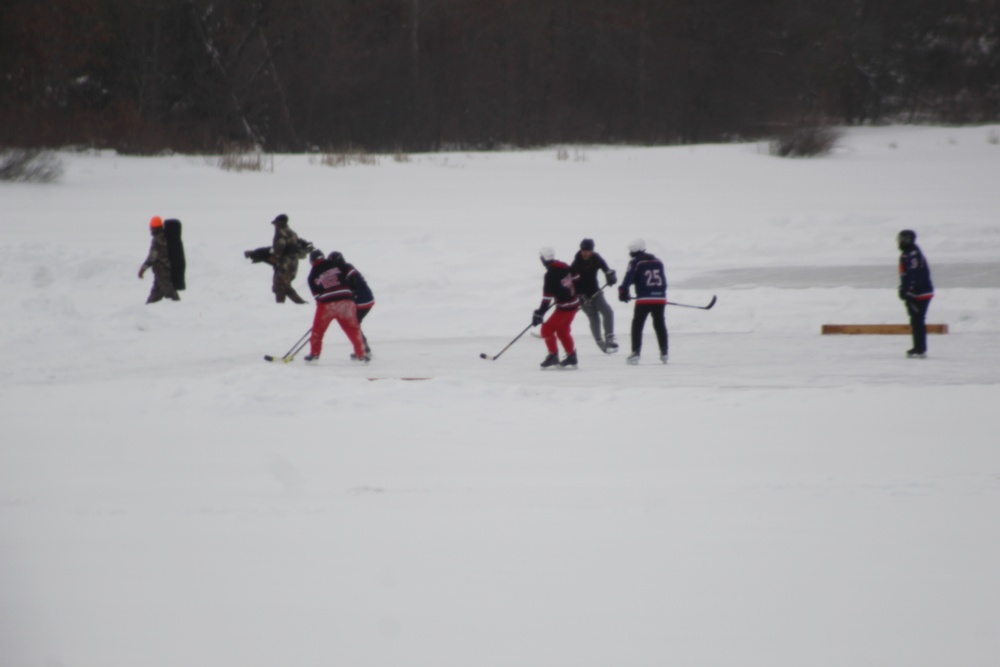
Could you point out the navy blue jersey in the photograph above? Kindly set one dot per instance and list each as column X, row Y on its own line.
column 332, row 282
column 914, row 275
column 649, row 277
column 359, row 287
column 558, row 288
column 585, row 271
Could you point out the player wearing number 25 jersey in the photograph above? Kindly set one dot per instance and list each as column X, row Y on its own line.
column 649, row 277
column 646, row 273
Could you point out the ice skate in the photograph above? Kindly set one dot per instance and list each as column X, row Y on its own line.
column 569, row 362
column 550, row 361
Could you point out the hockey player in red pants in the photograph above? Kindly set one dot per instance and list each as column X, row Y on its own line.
column 331, row 282
column 558, row 290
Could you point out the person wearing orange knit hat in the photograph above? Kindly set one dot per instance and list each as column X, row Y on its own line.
column 159, row 261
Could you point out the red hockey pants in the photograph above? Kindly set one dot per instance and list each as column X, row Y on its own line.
column 346, row 314
column 558, row 326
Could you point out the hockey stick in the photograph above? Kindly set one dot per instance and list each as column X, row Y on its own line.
column 290, row 355
column 599, row 290
column 288, row 358
column 684, row 305
column 483, row 355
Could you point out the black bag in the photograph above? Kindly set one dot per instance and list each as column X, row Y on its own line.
column 305, row 247
column 258, row 255
column 175, row 251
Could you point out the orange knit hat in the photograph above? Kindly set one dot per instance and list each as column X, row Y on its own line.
column 156, row 222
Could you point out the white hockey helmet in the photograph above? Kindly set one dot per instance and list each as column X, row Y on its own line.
column 547, row 253
column 638, row 245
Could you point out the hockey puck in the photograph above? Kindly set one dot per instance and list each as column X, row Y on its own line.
column 483, row 355
column 268, row 357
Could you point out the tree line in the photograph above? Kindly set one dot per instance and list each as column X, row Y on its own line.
column 412, row 75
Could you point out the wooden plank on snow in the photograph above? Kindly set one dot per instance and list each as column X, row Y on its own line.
column 880, row 329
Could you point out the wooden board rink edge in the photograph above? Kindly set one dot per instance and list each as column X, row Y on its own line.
column 880, row 329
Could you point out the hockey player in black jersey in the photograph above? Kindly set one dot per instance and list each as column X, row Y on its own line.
column 558, row 290
column 585, row 266
column 331, row 282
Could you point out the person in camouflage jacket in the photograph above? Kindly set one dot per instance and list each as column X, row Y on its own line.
column 158, row 260
column 286, row 251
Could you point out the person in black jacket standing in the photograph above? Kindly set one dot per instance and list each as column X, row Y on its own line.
column 646, row 272
column 158, row 260
column 585, row 267
column 915, row 289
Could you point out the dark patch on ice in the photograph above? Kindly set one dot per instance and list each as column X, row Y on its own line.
column 975, row 275
column 42, row 277
column 286, row 475
column 364, row 490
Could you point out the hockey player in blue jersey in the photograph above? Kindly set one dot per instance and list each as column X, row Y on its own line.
column 649, row 277
column 364, row 299
column 915, row 289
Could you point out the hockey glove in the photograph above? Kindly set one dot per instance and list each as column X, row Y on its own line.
column 537, row 317
column 612, row 277
column 623, row 296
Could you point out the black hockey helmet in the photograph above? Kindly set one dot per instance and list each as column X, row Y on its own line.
column 316, row 256
column 587, row 244
column 906, row 239
column 336, row 257
column 280, row 220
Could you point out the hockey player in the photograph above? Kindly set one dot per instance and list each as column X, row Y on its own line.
column 585, row 267
column 646, row 272
column 915, row 289
column 364, row 300
column 286, row 250
column 331, row 285
column 558, row 290
column 158, row 259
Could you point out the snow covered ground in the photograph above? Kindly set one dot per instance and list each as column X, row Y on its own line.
column 770, row 498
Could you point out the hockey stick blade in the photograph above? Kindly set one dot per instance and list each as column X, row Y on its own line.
column 685, row 305
column 483, row 355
